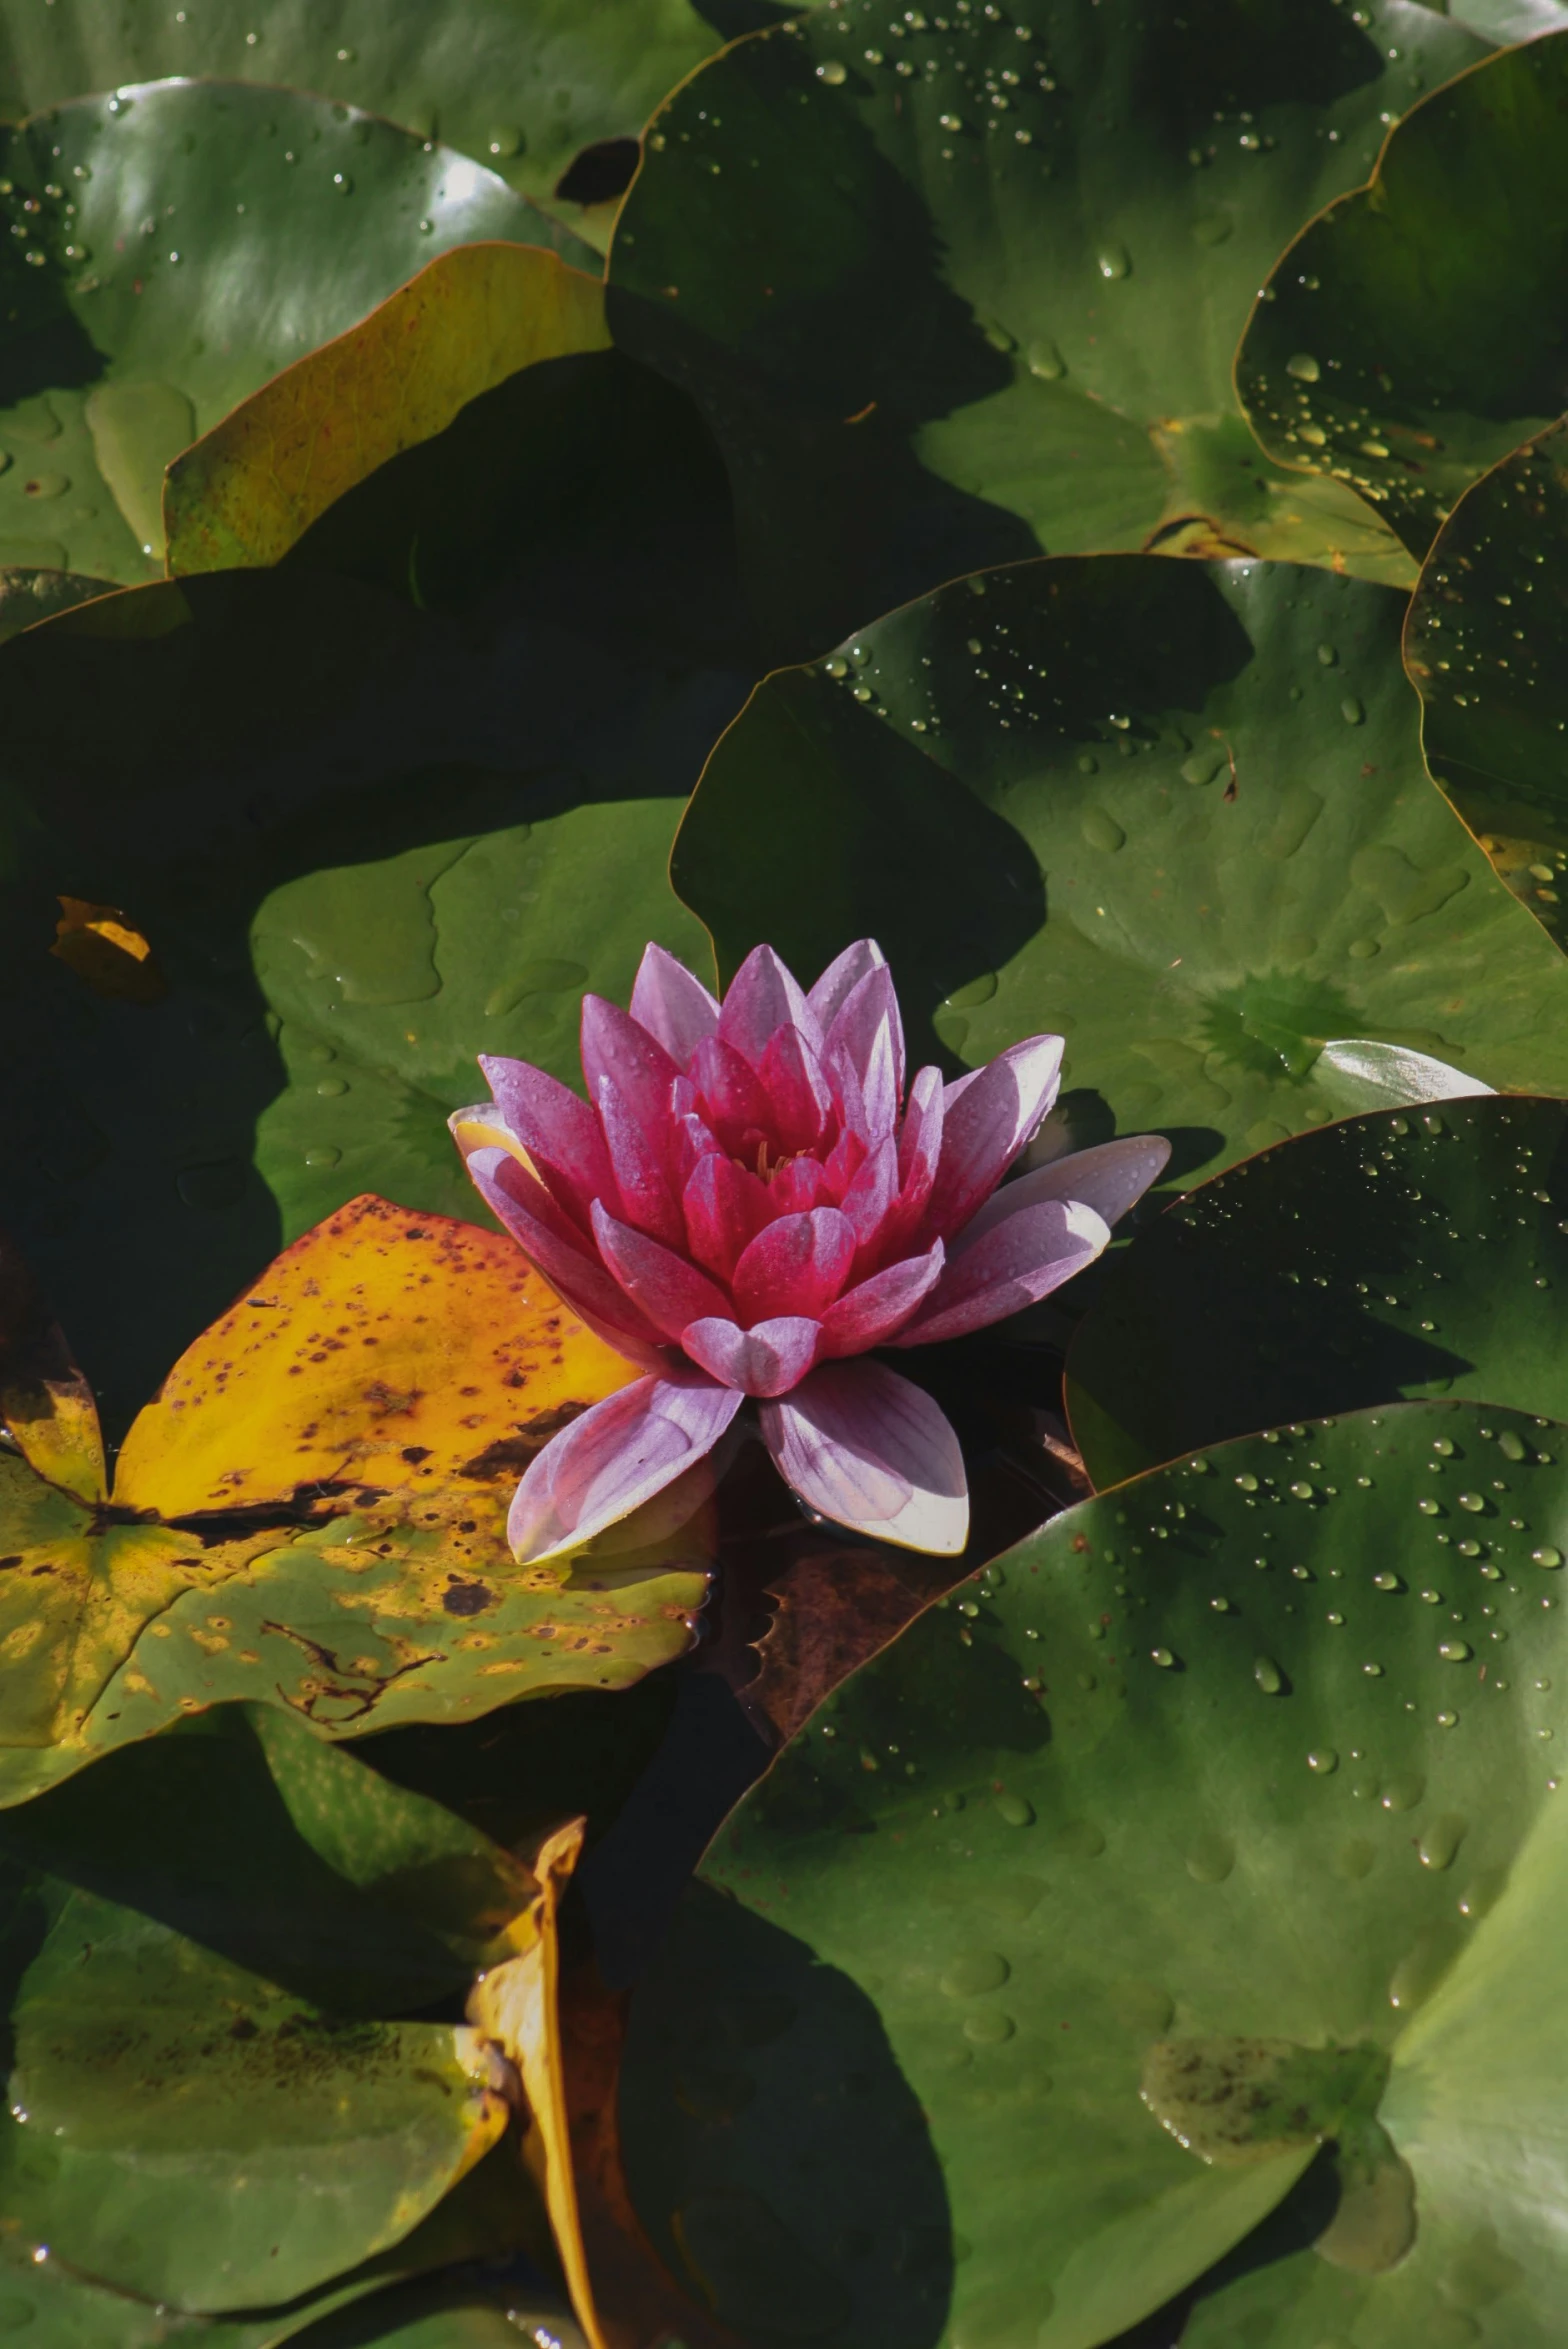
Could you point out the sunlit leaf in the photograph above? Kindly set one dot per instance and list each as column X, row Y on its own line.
column 46, row 1405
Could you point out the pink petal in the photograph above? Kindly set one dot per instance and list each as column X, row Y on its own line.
column 841, row 977
column 615, row 1457
column 559, row 1132
column 583, row 1284
column 796, row 1266
column 1110, row 1179
column 867, row 1041
column 723, row 1206
column 868, row 1199
column 691, row 1141
column 987, row 1118
column 867, row 1315
column 763, row 997
column 668, row 1290
column 868, row 1449
column 641, row 1186
column 767, row 1359
column 920, row 1137
column 800, row 1101
column 675, row 1008
column 799, row 1185
column 733, row 1100
column 638, row 1066
column 1019, row 1261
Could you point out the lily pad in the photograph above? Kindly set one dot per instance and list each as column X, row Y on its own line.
column 170, row 248
column 1485, row 648
column 1191, row 1782
column 523, row 93
column 1174, row 812
column 1398, row 1254
column 442, row 824
column 1413, row 335
column 965, row 285
column 312, row 1512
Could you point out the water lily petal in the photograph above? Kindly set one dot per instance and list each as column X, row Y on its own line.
column 733, row 1100
column 869, row 1197
column 1110, row 1179
column 723, row 1206
column 580, row 1281
column 868, row 1314
column 675, row 1008
column 558, row 1130
column 763, row 997
column 866, row 1043
column 796, row 1266
column 869, row 1449
column 615, row 1457
column 668, row 1290
column 642, row 1072
column 767, row 1359
column 642, row 1187
column 799, row 1185
column 800, row 1100
column 920, row 1136
column 841, row 977
column 1019, row 1261
column 987, row 1117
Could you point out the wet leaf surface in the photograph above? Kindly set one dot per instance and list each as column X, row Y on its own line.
column 894, row 2050
column 1176, row 812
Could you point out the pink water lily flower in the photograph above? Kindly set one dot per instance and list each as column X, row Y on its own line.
column 747, row 1203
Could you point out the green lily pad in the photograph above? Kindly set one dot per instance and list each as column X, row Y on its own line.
column 1174, row 812
column 964, row 285
column 1191, row 1782
column 524, row 93
column 1413, row 335
column 438, row 824
column 170, row 248
column 1485, row 648
column 208, row 2106
column 1397, row 1254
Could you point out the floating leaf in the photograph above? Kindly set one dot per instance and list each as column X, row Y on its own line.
column 1413, row 335
column 99, row 944
column 1485, row 651
column 959, row 290
column 1389, row 1256
column 46, row 1405
column 155, row 219
column 255, row 483
column 313, row 1512
column 523, row 93
column 894, row 2053
column 1176, row 812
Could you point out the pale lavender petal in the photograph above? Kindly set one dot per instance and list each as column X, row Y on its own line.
column 581, row 1282
column 1110, row 1179
column 986, row 1120
column 866, row 1041
column 615, row 1457
column 763, row 997
column 642, row 1072
column 920, row 1136
column 1017, row 1263
column 795, row 1266
column 558, row 1130
column 669, row 1290
column 768, row 1359
column 675, row 1008
column 841, row 978
column 871, row 1450
column 868, row 1314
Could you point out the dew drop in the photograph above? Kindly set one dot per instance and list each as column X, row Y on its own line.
column 1474, row 1502
column 1046, row 361
column 1441, row 1840
column 1210, row 1860
column 1323, row 1761
column 1114, row 261
column 1351, row 710
column 1303, row 366
column 1162, row 1657
column 1430, row 1508
column 1268, row 1675
column 1402, row 1793
column 988, row 2028
column 1546, row 1555
column 833, row 72
column 1013, row 1810
column 1387, row 1582
column 974, row 1973
column 1455, row 1651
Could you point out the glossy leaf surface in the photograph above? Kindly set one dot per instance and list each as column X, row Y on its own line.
column 1200, row 1766
column 524, row 92
column 1399, row 1254
column 337, row 1544
column 963, row 290
column 1485, row 646
column 438, row 827
column 202, row 236
column 253, row 485
column 1413, row 335
column 1174, row 812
